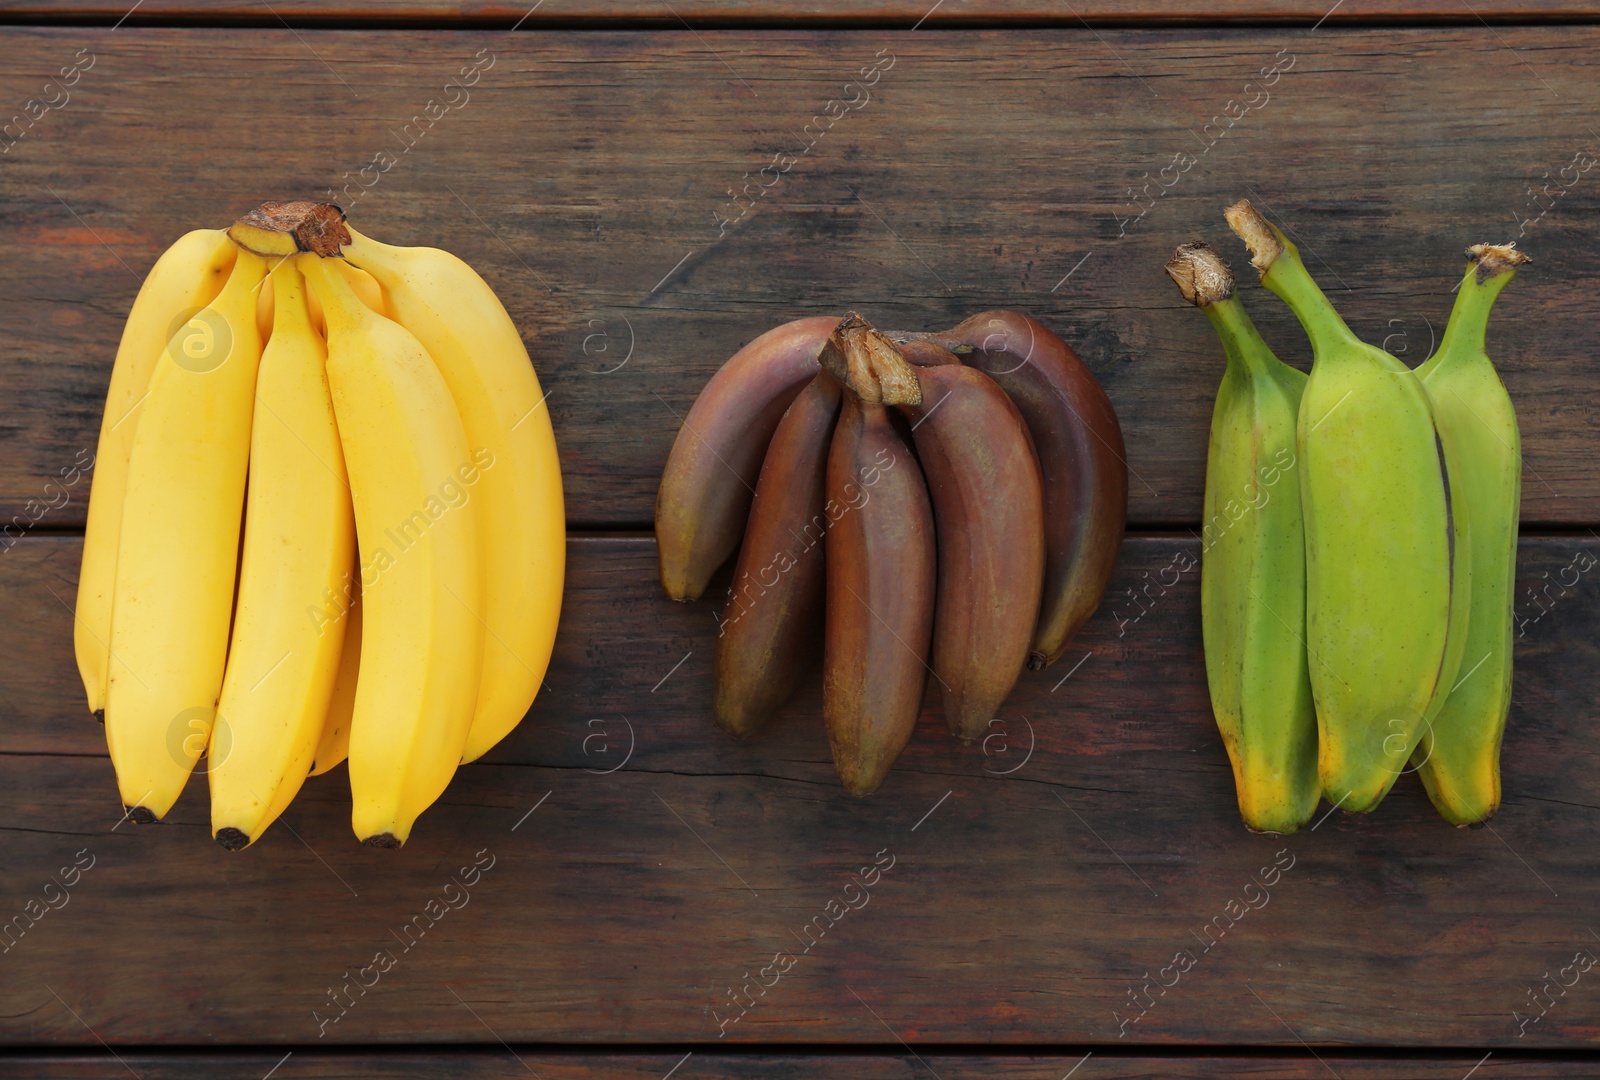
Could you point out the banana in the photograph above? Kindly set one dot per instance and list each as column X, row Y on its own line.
column 178, row 549
column 407, row 457
column 710, row 476
column 988, row 511
column 334, row 744
column 517, row 497
column 1081, row 457
column 365, row 285
column 769, row 630
column 188, row 276
column 881, row 572
column 1388, row 565
column 299, row 543
column 1253, row 562
column 921, row 354
column 264, row 301
column 1459, row 754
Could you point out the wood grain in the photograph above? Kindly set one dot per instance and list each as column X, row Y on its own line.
column 1029, row 893
column 987, row 169
column 833, row 12
column 507, row 1063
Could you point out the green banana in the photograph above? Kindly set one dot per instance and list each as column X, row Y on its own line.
column 1459, row 755
column 1388, row 564
column 1253, row 562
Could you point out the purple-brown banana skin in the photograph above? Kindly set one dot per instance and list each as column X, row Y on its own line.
column 769, row 632
column 880, row 595
column 710, row 477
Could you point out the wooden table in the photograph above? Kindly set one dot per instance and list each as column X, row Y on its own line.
column 641, row 867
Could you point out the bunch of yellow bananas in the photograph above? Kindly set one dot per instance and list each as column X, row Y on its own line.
column 389, row 588
column 1360, row 549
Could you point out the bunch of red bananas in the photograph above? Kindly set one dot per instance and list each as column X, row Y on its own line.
column 946, row 504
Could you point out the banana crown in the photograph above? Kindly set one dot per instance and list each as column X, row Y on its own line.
column 870, row 364
column 280, row 229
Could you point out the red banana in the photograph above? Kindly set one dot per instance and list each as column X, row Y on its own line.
column 773, row 621
column 988, row 508
column 1081, row 457
column 923, row 354
column 711, row 473
column 880, row 576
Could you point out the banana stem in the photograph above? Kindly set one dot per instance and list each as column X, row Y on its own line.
column 359, row 244
column 1207, row 283
column 339, row 301
column 289, row 300
column 1489, row 268
column 1286, row 276
column 1242, row 344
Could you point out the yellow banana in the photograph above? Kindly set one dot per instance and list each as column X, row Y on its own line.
column 187, row 277
column 1459, row 755
column 264, row 304
column 179, row 547
column 362, row 282
column 334, row 744
column 407, row 458
column 366, row 287
column 1388, row 566
column 1253, row 562
column 299, row 543
column 517, row 496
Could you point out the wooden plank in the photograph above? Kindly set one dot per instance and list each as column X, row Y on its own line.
column 631, row 894
column 505, row 1064
column 987, row 169
column 833, row 12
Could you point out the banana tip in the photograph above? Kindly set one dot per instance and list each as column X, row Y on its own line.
column 382, row 840
column 232, row 839
column 1259, row 236
column 100, row 716
column 676, row 588
column 1038, row 661
column 737, row 725
column 859, row 781
column 1492, row 260
column 1200, row 274
column 141, row 815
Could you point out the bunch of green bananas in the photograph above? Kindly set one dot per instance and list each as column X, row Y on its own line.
column 387, row 590
column 1359, row 548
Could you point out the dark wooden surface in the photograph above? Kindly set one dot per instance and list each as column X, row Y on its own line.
column 987, row 165
column 502, row 1063
column 833, row 12
column 622, row 907
column 1020, row 908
